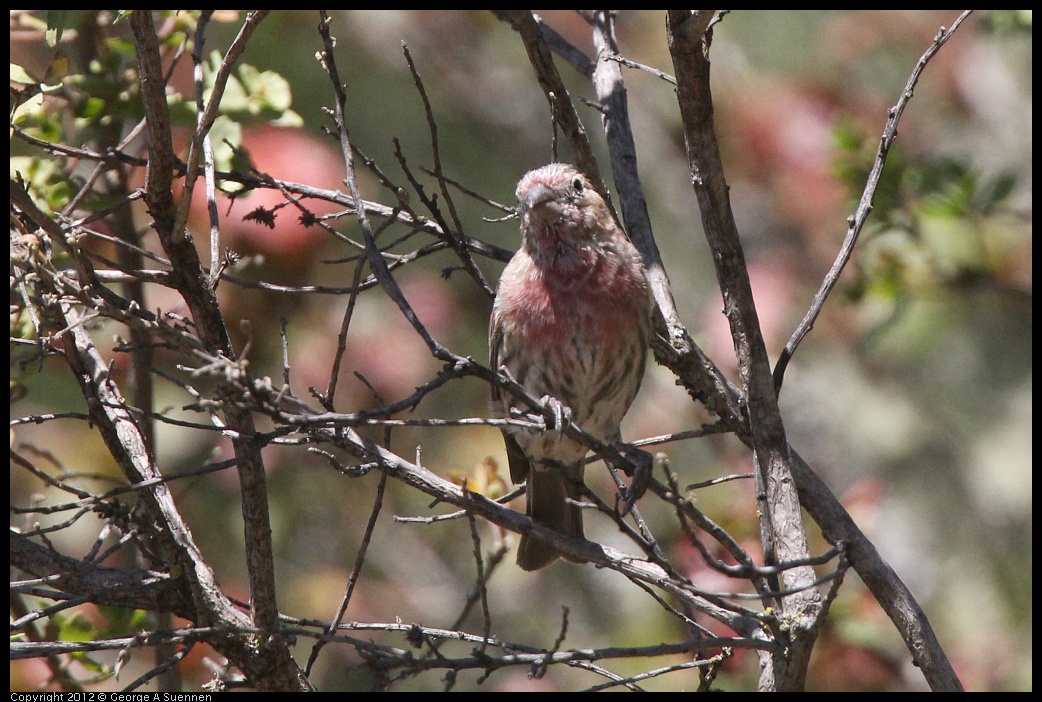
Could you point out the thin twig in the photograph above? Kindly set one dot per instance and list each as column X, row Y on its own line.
column 856, row 222
column 635, row 64
column 456, row 241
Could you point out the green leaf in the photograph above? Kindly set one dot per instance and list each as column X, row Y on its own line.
column 75, row 628
column 252, row 95
column 123, row 621
column 56, row 20
column 60, row 20
column 20, row 75
column 225, row 136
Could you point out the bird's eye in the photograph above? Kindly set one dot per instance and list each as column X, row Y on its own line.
column 578, row 185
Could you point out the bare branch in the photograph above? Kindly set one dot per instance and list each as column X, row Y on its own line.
column 781, row 526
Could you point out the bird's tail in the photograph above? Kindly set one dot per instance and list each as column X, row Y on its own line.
column 549, row 490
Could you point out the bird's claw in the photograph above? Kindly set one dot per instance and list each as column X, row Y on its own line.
column 561, row 414
column 642, row 463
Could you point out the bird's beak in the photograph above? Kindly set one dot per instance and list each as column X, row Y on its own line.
column 540, row 202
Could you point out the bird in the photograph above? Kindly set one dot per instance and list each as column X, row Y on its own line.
column 571, row 323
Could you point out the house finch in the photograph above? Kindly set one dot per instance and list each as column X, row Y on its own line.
column 571, row 323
